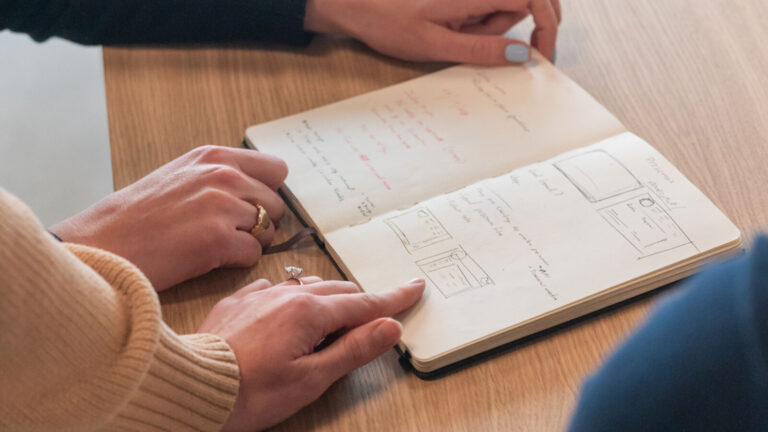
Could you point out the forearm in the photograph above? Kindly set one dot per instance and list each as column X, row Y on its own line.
column 82, row 333
column 157, row 21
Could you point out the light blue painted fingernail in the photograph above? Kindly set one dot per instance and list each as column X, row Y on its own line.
column 517, row 53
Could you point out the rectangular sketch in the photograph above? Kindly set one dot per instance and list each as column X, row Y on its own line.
column 645, row 225
column 454, row 271
column 417, row 229
column 474, row 196
column 598, row 175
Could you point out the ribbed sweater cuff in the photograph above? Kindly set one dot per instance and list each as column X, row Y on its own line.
column 181, row 383
column 191, row 386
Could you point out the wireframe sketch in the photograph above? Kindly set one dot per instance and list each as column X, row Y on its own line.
column 598, row 175
column 474, row 196
column 417, row 229
column 454, row 271
column 645, row 225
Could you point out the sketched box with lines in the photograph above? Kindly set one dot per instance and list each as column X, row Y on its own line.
column 598, row 175
column 417, row 229
column 454, row 271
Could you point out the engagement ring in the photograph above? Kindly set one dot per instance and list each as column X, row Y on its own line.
column 294, row 273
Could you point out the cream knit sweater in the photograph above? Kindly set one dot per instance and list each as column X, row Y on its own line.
column 83, row 345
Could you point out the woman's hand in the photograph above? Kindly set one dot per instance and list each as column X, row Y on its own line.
column 274, row 332
column 464, row 31
column 188, row 217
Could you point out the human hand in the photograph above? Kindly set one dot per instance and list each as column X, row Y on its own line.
column 464, row 31
column 188, row 217
column 274, row 332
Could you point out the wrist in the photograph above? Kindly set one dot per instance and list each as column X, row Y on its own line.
column 82, row 227
column 66, row 231
column 319, row 17
column 55, row 236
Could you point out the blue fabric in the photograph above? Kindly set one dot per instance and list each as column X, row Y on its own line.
column 697, row 364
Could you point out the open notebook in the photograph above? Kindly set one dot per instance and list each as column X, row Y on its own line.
column 519, row 198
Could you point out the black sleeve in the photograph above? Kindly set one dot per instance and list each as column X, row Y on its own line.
column 121, row 22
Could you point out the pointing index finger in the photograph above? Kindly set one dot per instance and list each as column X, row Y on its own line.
column 352, row 310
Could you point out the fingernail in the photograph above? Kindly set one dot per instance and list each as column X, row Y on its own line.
column 386, row 334
column 517, row 53
column 416, row 282
column 399, row 324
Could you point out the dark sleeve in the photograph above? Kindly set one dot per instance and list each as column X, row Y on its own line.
column 699, row 362
column 111, row 22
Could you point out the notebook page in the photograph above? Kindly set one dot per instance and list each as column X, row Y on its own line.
column 386, row 150
column 508, row 249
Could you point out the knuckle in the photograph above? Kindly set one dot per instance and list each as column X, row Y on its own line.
column 222, row 230
column 199, row 151
column 282, row 168
column 357, row 351
column 351, row 286
column 263, row 283
column 215, row 237
column 211, row 153
column 224, row 175
column 303, row 303
column 371, row 302
column 227, row 302
column 218, row 199
column 276, row 209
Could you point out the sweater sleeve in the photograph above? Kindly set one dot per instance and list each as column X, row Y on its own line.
column 699, row 363
column 122, row 22
column 83, row 345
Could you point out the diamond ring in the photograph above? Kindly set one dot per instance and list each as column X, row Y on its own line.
column 294, row 273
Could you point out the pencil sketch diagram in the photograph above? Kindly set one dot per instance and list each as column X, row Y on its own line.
column 454, row 271
column 645, row 225
column 474, row 196
column 417, row 229
column 598, row 175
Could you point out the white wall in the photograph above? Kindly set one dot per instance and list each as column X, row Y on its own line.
column 54, row 142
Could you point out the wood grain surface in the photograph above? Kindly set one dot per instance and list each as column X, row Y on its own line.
column 687, row 75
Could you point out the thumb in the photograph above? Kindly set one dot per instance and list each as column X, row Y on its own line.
column 486, row 50
column 356, row 348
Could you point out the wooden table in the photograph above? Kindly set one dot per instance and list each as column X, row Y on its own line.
column 690, row 76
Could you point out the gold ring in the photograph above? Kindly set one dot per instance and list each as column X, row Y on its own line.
column 263, row 221
column 294, row 273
